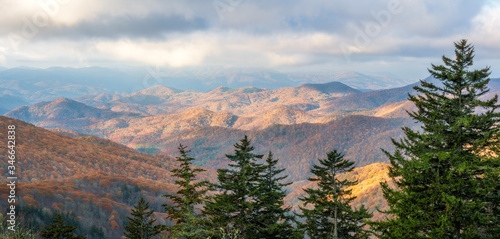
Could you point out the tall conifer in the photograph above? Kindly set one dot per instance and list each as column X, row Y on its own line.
column 140, row 225
column 273, row 219
column 326, row 209
column 189, row 223
column 59, row 229
column 443, row 182
column 234, row 208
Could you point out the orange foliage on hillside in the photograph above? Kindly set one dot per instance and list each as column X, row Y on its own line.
column 367, row 191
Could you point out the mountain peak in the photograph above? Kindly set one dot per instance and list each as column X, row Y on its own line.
column 52, row 113
column 249, row 89
column 62, row 100
column 159, row 90
column 330, row 87
column 223, row 89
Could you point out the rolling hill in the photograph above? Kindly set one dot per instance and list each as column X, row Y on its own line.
column 95, row 179
column 297, row 146
column 65, row 113
column 239, row 101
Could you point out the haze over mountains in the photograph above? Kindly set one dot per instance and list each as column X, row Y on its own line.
column 24, row 85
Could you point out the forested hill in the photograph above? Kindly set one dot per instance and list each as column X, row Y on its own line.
column 94, row 179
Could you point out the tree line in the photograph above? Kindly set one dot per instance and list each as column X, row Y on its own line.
column 445, row 179
column 247, row 201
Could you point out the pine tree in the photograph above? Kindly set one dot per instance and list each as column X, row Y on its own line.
column 140, row 225
column 59, row 229
column 442, row 183
column 491, row 228
column 234, row 207
column 273, row 219
column 329, row 214
column 191, row 193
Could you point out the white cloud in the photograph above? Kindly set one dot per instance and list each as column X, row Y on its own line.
column 486, row 27
column 190, row 51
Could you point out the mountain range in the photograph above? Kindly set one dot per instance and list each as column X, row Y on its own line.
column 299, row 124
column 33, row 85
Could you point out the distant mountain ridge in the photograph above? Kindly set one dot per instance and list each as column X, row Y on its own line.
column 330, row 87
column 164, row 100
column 35, row 85
column 52, row 114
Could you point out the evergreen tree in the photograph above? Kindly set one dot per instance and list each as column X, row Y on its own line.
column 443, row 185
column 234, row 207
column 491, row 229
column 140, row 225
column 59, row 229
column 190, row 194
column 96, row 232
column 273, row 219
column 329, row 214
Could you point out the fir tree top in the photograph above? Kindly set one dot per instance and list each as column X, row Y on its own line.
column 141, row 224
column 59, row 229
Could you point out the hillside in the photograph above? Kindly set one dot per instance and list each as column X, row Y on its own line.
column 297, row 146
column 43, row 152
column 268, row 117
column 160, row 126
column 64, row 113
column 368, row 191
column 331, row 88
column 239, row 101
column 369, row 100
column 96, row 179
column 297, row 143
column 251, row 108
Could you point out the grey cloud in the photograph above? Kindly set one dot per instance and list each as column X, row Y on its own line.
column 423, row 18
column 153, row 26
column 437, row 18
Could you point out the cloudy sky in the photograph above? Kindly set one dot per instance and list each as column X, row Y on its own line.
column 402, row 37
